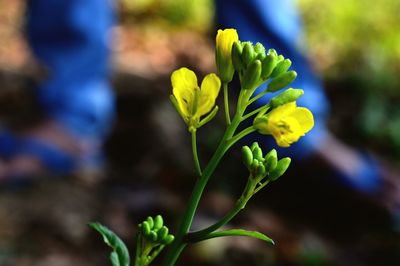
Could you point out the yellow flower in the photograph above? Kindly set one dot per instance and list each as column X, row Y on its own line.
column 286, row 123
column 224, row 42
column 191, row 101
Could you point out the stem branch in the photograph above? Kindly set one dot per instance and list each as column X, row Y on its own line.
column 195, row 154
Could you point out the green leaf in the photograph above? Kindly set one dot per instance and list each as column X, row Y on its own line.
column 120, row 254
column 238, row 232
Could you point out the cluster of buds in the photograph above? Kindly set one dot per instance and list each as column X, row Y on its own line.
column 152, row 238
column 262, row 169
column 255, row 66
column 154, row 231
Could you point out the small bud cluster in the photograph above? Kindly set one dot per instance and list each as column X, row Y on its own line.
column 261, row 166
column 255, row 66
column 152, row 238
column 154, row 231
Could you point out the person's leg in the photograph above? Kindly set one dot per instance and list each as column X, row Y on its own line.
column 71, row 39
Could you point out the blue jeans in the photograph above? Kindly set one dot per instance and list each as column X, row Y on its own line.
column 72, row 39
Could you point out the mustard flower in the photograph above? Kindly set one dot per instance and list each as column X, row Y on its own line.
column 224, row 42
column 191, row 101
column 286, row 123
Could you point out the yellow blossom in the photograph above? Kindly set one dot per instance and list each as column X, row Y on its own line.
column 224, row 42
column 286, row 123
column 191, row 101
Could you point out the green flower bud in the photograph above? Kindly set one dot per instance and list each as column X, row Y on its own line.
column 248, row 53
column 158, row 222
column 271, row 160
column 281, row 81
column 168, row 239
column 251, row 75
column 261, row 172
column 254, row 145
column 257, row 154
column 259, row 49
column 247, row 155
column 146, row 228
column 237, row 61
column 281, row 67
column 150, row 221
column 289, row 95
column 152, row 236
column 272, row 52
column 268, row 65
column 162, row 233
column 280, row 169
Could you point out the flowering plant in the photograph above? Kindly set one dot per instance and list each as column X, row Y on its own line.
column 280, row 117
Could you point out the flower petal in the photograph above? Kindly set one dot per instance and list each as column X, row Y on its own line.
column 184, row 82
column 304, row 117
column 209, row 92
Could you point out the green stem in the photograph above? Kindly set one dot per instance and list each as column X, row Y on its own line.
column 195, row 155
column 252, row 100
column 138, row 250
column 240, row 204
column 255, row 112
column 226, row 103
column 260, row 187
column 195, row 236
column 242, row 134
column 179, row 244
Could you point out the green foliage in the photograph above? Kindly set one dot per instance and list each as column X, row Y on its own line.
column 120, row 255
column 359, row 41
column 196, row 14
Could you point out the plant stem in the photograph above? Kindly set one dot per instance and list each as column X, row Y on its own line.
column 252, row 100
column 226, row 103
column 240, row 204
column 242, row 134
column 195, row 236
column 195, row 154
column 226, row 142
column 255, row 111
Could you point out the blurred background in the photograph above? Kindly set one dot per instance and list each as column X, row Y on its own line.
column 353, row 45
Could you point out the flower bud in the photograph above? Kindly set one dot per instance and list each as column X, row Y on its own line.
column 272, row 52
column 168, row 239
column 254, row 145
column 289, row 95
column 280, row 169
column 145, row 228
column 281, row 67
column 150, row 221
column 162, row 233
column 281, row 81
column 251, row 76
column 259, row 49
column 257, row 154
column 247, row 155
column 271, row 160
column 158, row 222
column 268, row 65
column 248, row 53
column 152, row 236
column 224, row 42
column 237, row 61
